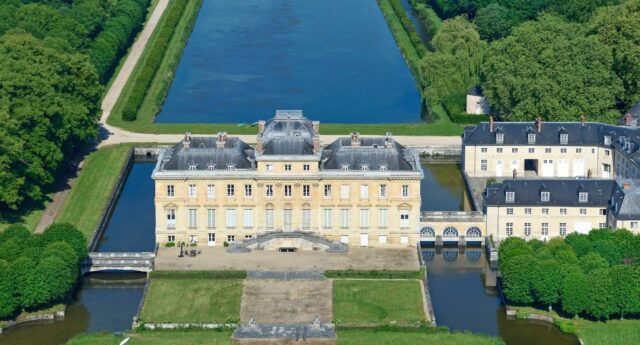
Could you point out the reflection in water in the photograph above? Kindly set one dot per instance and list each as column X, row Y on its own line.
column 442, row 188
column 462, row 302
column 105, row 302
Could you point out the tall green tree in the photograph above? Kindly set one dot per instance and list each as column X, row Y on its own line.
column 602, row 301
column 551, row 68
column 494, row 21
column 519, row 275
column 592, row 261
column 8, row 301
column 627, row 289
column 547, row 283
column 575, row 292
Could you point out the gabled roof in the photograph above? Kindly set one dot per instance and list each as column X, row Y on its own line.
column 562, row 192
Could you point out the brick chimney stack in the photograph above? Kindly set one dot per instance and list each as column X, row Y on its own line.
column 187, row 140
column 355, row 139
column 259, row 144
column 627, row 119
column 388, row 141
column 539, row 122
column 490, row 123
column 222, row 140
column 626, row 185
column 316, row 144
column 582, row 119
column 316, row 127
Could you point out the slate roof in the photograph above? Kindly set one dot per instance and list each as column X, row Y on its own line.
column 288, row 133
column 203, row 152
column 564, row 192
column 372, row 152
column 635, row 116
column 627, row 201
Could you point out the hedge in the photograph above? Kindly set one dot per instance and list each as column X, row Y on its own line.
column 376, row 274
column 118, row 33
column 153, row 61
column 199, row 274
column 408, row 26
column 428, row 16
column 454, row 106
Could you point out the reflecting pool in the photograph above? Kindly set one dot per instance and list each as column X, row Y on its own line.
column 442, row 188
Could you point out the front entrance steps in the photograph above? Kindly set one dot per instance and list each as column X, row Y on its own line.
column 287, row 275
column 258, row 334
column 290, row 240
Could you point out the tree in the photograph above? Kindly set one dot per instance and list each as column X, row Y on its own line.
column 518, row 276
column 575, row 292
column 67, row 233
column 553, row 69
column 601, row 294
column 512, row 247
column 578, row 10
column 627, row 289
column 580, row 243
column 592, row 261
column 547, row 283
column 59, row 279
column 494, row 21
column 8, row 301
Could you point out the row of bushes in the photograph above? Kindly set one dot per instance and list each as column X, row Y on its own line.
column 38, row 271
column 153, row 61
column 595, row 275
column 199, row 274
column 453, row 105
column 375, row 274
column 417, row 43
column 427, row 15
column 116, row 37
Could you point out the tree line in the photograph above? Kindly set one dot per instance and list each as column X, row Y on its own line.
column 38, row 270
column 549, row 58
column 595, row 275
column 55, row 57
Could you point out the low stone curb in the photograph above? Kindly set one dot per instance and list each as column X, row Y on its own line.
column 40, row 317
column 188, row 325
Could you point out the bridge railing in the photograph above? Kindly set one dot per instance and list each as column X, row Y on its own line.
column 448, row 216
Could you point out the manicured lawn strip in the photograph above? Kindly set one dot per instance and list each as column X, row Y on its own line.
column 377, row 302
column 89, row 196
column 159, row 337
column 191, row 300
column 359, row 336
column 375, row 274
column 199, row 274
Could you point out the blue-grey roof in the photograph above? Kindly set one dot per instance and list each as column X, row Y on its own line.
column 288, row 133
column 372, row 152
column 634, row 114
column 626, row 201
column 563, row 192
column 203, row 153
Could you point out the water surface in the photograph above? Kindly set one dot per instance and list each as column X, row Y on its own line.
column 335, row 59
column 442, row 188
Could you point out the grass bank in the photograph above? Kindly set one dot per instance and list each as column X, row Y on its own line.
column 92, row 190
column 191, row 337
column 406, row 336
column 192, row 300
column 428, row 16
column 377, row 302
column 25, row 315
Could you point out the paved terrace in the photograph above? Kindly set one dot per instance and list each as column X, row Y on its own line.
column 217, row 258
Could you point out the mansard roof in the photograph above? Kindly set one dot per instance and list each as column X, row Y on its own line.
column 626, row 200
column 563, row 192
column 372, row 152
column 288, row 133
column 203, row 153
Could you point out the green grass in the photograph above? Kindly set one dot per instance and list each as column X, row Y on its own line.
column 377, row 302
column 190, row 337
column 375, row 274
column 89, row 196
column 428, row 16
column 28, row 215
column 409, row 337
column 192, row 301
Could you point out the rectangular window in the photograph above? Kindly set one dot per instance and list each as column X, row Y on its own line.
column 287, row 190
column 212, row 237
column 248, row 190
column 211, row 191
column 603, row 211
column 405, row 191
column 382, row 217
column 404, row 219
column 211, row 218
column 171, row 218
column 527, row 211
column 633, row 225
column 499, row 150
column 192, row 191
column 231, row 238
column 268, row 218
column 306, row 218
column 193, row 218
column 344, row 217
column 269, row 167
column 483, row 149
column 578, row 150
column 344, row 191
column 248, row 218
column 193, row 238
column 287, row 167
column 509, row 229
column 563, row 229
column 544, row 229
column 327, row 190
column 171, row 238
column 383, row 190
column 306, row 190
column 527, row 229
column 364, row 191
column 564, row 138
column 248, row 237
column 531, row 138
column 483, row 165
column 514, row 150
column 532, row 150
column 563, row 150
column 544, row 196
column 583, row 197
column 583, row 211
column 364, row 218
column 306, row 167
column 326, row 218
column 170, row 190
column 563, row 211
column 510, row 196
column 547, row 150
column 231, row 190
column 268, row 189
column 510, row 211
column 231, row 218
column 545, row 211
column 499, row 138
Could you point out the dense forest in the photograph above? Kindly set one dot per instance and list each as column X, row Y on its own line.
column 595, row 275
column 557, row 59
column 55, row 57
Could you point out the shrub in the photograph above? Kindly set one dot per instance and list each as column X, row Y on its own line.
column 454, row 106
column 170, row 244
column 375, row 274
column 408, row 26
column 565, row 326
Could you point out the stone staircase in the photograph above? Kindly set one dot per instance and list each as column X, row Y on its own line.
column 262, row 241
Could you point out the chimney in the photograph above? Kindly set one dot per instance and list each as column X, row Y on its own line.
column 539, row 122
column 626, row 185
column 222, row 140
column 316, row 127
column 514, row 173
column 261, row 124
column 316, row 144
column 589, row 173
column 582, row 119
column 490, row 123
column 259, row 144
column 388, row 141
column 355, row 139
column 627, row 119
column 187, row 140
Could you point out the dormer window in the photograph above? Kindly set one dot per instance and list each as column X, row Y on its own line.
column 364, row 167
column 383, row 167
column 499, row 138
column 345, row 167
column 544, row 196
column 583, row 197
column 607, row 140
column 564, row 138
column 510, row 197
column 211, row 166
column 531, row 138
column 193, row 166
column 231, row 167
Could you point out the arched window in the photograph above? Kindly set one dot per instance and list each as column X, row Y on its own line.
column 474, row 232
column 450, row 232
column 427, row 232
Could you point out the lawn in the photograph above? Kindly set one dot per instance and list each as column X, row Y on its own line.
column 92, row 190
column 377, row 302
column 192, row 300
column 359, row 336
column 191, row 337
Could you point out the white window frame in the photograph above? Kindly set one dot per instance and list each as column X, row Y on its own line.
column 404, row 218
column 510, row 197
column 171, row 190
column 344, row 217
column 269, row 216
column 527, row 229
column 247, row 217
column 211, row 218
column 545, row 196
column 383, row 191
column 564, row 138
column 211, row 191
column 364, row 191
column 562, row 229
column 326, row 218
column 248, row 191
column 306, row 218
column 288, row 190
column 306, row 167
column 171, row 218
column 531, row 138
column 382, row 217
column 364, row 218
column 230, row 217
column 583, row 197
column 306, row 190
column 193, row 190
column 193, row 218
column 509, row 229
column 344, row 191
column 231, row 190
column 287, row 167
column 268, row 190
column 327, row 190
column 405, row 190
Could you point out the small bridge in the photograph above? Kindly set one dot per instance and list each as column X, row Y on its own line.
column 138, row 262
column 457, row 227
